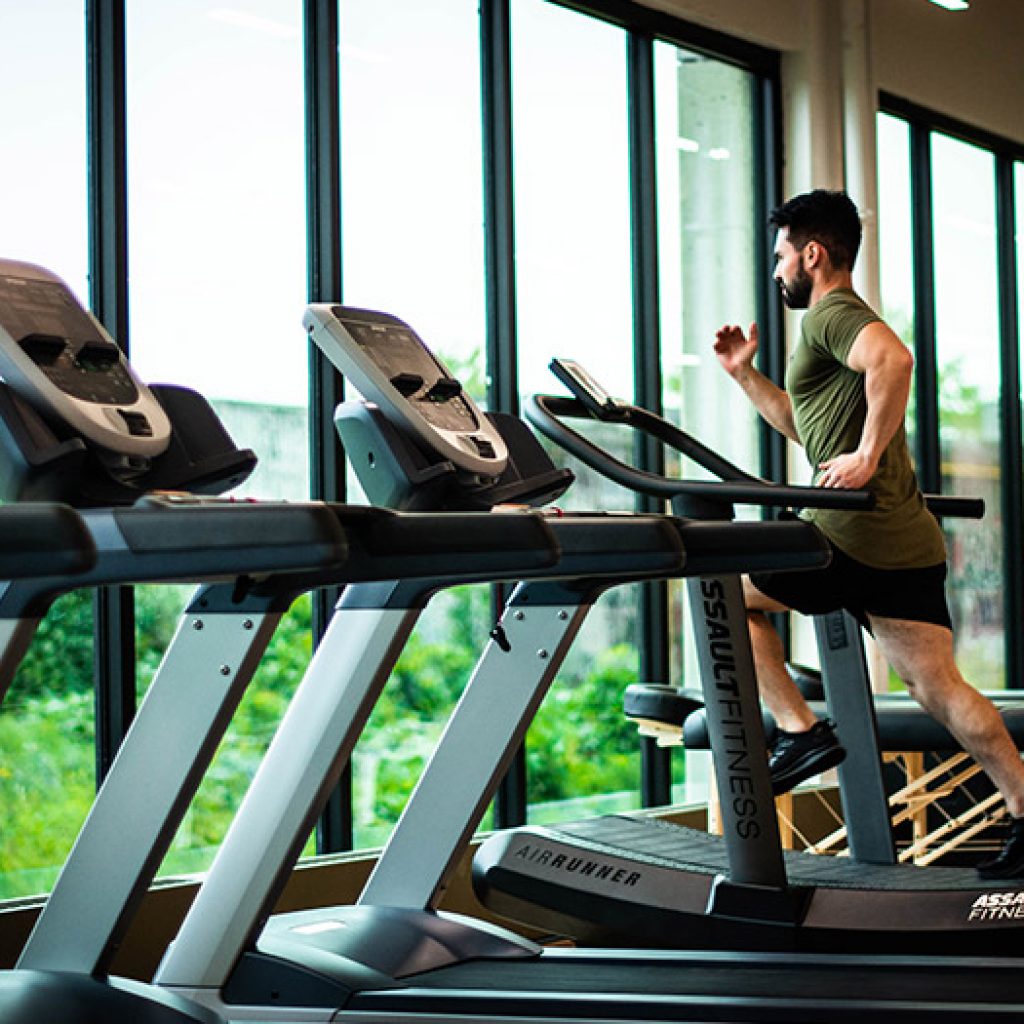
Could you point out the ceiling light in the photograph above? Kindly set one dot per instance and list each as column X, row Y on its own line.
column 953, row 5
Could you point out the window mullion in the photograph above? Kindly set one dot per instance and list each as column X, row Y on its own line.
column 656, row 775
column 113, row 607
column 324, row 284
column 929, row 459
column 499, row 208
column 1010, row 427
column 511, row 797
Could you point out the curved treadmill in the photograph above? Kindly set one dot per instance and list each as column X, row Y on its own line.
column 681, row 891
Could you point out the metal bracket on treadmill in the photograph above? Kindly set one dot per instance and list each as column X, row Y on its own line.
column 760, row 903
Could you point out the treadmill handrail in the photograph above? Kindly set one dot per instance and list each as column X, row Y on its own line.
column 190, row 544
column 42, row 539
column 953, row 506
column 544, row 412
column 735, row 486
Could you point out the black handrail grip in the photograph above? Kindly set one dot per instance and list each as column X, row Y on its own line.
column 947, row 505
column 738, row 487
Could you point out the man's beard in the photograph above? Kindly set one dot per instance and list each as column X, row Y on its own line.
column 797, row 293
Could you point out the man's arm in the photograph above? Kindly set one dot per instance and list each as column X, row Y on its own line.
column 888, row 366
column 736, row 352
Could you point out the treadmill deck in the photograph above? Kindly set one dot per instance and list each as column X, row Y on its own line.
column 625, row 880
column 660, row 843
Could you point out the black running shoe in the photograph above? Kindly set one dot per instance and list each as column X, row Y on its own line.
column 799, row 755
column 1009, row 862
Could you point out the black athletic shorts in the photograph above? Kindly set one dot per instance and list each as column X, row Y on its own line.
column 915, row 594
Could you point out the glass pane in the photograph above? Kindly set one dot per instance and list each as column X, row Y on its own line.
column 573, row 283
column 47, row 759
column 411, row 174
column 708, row 276
column 42, row 123
column 217, row 217
column 412, row 216
column 896, row 237
column 967, row 342
column 572, row 227
column 217, row 249
column 707, row 236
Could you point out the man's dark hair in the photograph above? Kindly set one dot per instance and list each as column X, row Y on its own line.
column 829, row 218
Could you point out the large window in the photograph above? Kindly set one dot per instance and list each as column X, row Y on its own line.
column 571, row 158
column 412, row 203
column 411, row 171
column 707, row 168
column 217, row 259
column 707, row 235
column 573, row 284
column 945, row 192
column 896, row 237
column 42, row 120
column 217, row 217
column 47, row 760
column 481, row 180
column 967, row 351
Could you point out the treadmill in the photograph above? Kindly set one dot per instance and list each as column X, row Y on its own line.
column 75, row 421
column 546, row 876
column 394, row 956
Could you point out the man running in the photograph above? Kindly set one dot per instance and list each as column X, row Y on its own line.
column 845, row 400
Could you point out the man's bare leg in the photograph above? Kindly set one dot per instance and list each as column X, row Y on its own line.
column 922, row 655
column 778, row 691
column 804, row 746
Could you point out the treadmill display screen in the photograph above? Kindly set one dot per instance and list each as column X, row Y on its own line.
column 42, row 307
column 54, row 332
column 397, row 352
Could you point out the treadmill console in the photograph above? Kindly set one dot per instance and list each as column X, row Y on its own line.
column 586, row 388
column 59, row 359
column 388, row 363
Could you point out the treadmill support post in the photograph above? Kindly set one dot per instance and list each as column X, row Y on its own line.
column 850, row 704
column 539, row 624
column 196, row 690
column 15, row 638
column 303, row 763
column 749, row 823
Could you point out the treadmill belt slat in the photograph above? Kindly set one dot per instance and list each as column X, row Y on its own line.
column 666, row 845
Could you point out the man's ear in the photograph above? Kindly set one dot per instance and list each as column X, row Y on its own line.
column 813, row 253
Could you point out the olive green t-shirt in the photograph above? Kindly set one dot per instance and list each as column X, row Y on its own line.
column 829, row 407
